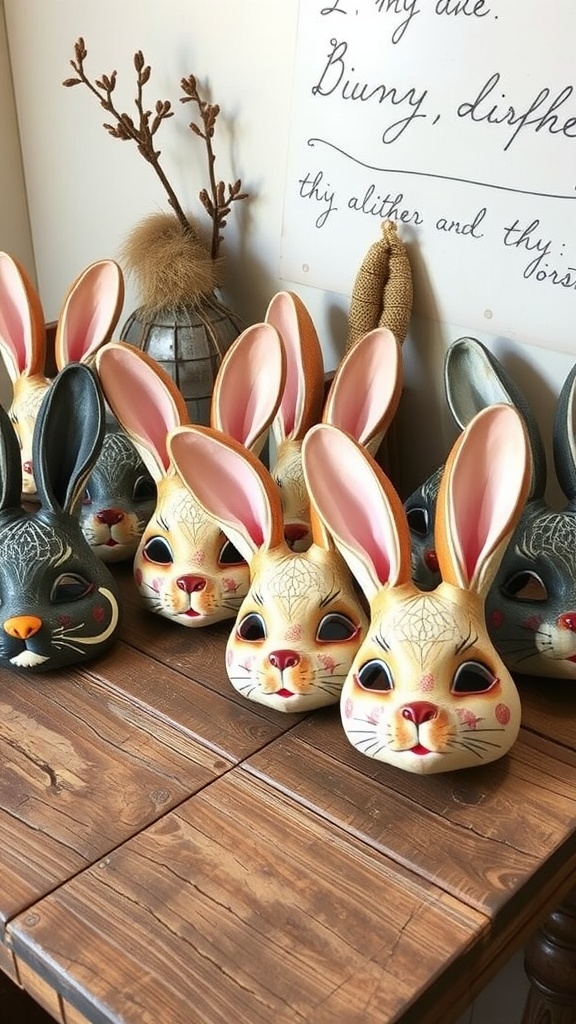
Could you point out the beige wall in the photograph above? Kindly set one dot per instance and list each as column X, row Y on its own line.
column 86, row 190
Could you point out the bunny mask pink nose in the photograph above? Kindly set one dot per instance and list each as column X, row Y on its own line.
column 191, row 584
column 419, row 711
column 284, row 659
column 110, row 516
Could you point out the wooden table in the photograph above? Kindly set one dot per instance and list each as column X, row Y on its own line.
column 171, row 854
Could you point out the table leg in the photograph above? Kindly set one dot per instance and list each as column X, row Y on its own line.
column 550, row 962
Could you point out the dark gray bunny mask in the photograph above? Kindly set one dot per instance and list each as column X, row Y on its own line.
column 531, row 606
column 58, row 601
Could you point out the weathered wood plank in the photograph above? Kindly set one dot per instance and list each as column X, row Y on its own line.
column 491, row 836
column 242, row 905
column 232, row 729
column 82, row 770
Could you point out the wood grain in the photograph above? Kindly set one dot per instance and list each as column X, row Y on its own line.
column 82, row 770
column 246, row 907
column 232, row 729
column 483, row 834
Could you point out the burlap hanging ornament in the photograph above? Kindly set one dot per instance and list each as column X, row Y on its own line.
column 382, row 294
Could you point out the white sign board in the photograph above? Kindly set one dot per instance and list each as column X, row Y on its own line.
column 456, row 119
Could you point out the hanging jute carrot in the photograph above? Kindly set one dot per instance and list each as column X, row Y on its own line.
column 382, row 294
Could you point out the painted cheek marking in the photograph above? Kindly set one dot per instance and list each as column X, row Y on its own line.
column 502, row 714
column 348, row 708
column 496, row 618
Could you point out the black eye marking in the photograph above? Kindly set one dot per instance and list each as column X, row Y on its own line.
column 525, row 586
column 229, row 555
column 418, row 521
column 336, row 628
column 375, row 675
column 70, row 587
column 252, row 628
column 473, row 677
column 144, row 489
column 158, row 551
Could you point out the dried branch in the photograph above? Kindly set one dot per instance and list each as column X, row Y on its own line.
column 142, row 132
column 217, row 201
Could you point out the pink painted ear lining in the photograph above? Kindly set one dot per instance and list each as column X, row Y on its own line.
column 250, row 386
column 141, row 403
column 361, row 517
column 91, row 311
column 364, row 385
column 282, row 315
column 224, row 483
column 15, row 328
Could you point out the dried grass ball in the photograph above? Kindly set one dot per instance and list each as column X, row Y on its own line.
column 172, row 266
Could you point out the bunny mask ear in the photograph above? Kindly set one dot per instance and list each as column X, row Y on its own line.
column 231, row 485
column 249, row 386
column 144, row 400
column 565, row 437
column 89, row 313
column 482, row 493
column 22, row 331
column 67, row 438
column 474, row 380
column 366, row 389
column 359, row 507
column 301, row 404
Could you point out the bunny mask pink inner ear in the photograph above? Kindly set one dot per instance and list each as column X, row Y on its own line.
column 487, row 479
column 350, row 500
column 249, row 385
column 138, row 398
column 226, row 485
column 16, row 319
column 304, row 369
column 90, row 312
column 366, row 387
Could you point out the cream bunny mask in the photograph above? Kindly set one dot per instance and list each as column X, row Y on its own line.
column 362, row 400
column 185, row 568
column 427, row 691
column 300, row 624
column 87, row 318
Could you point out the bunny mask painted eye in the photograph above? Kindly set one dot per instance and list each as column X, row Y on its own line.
column 252, row 628
column 336, row 628
column 144, row 489
column 473, row 677
column 525, row 586
column 418, row 521
column 70, row 587
column 158, row 551
column 229, row 555
column 375, row 675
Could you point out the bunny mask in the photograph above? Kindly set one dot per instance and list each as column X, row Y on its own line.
column 362, row 400
column 58, row 601
column 300, row 407
column 300, row 624
column 185, row 568
column 531, row 607
column 87, row 318
column 426, row 692
column 119, row 498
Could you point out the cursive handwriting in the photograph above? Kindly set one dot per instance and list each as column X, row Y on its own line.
column 334, row 80
column 312, row 187
column 486, row 108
